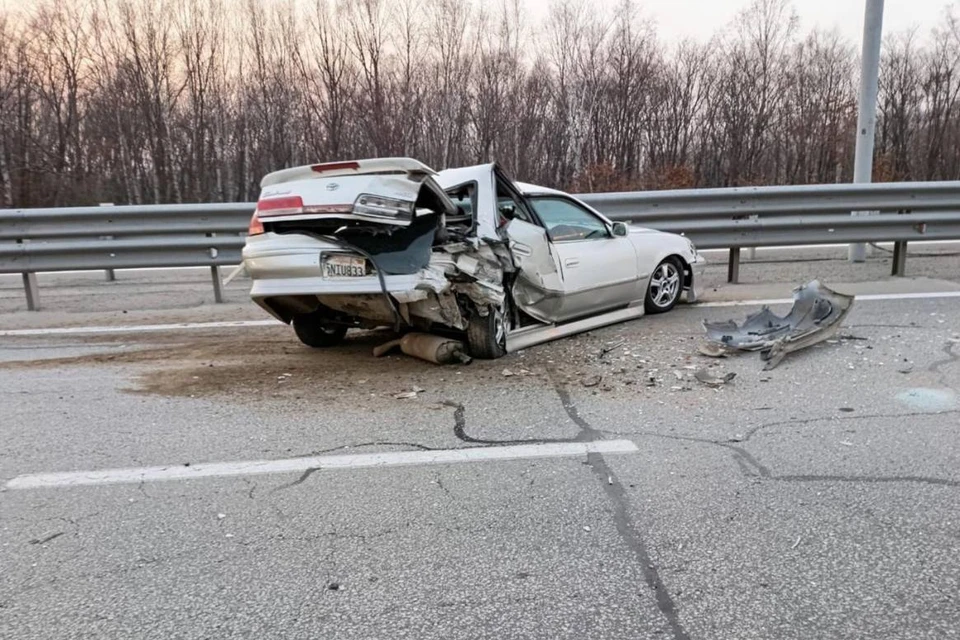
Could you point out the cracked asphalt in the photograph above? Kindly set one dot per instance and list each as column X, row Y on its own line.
column 817, row 500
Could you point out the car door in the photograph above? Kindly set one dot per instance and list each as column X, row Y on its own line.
column 598, row 269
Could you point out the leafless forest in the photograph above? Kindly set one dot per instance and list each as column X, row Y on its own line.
column 149, row 101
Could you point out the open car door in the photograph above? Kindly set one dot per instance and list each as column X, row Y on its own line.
column 502, row 215
column 538, row 289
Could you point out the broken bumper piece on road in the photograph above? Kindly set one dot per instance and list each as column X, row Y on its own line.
column 816, row 316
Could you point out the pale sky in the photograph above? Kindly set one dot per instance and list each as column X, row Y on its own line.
column 699, row 19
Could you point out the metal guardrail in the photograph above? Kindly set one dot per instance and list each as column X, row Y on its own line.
column 795, row 215
column 128, row 237
column 121, row 237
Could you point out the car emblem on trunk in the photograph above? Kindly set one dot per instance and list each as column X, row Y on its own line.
column 332, row 186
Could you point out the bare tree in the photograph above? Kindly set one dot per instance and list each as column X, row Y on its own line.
column 194, row 100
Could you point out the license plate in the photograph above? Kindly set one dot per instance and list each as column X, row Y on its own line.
column 341, row 266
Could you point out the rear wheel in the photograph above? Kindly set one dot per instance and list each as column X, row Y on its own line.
column 666, row 285
column 487, row 335
column 315, row 330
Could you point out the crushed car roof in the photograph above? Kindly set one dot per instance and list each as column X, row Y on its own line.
column 528, row 189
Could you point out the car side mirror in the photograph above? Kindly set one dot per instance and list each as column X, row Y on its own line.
column 619, row 229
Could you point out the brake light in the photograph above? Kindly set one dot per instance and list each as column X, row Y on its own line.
column 256, row 227
column 334, row 166
column 283, row 206
column 372, row 205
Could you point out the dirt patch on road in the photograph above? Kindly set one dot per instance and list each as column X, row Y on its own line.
column 270, row 363
column 273, row 364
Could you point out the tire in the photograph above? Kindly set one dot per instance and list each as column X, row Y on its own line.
column 666, row 286
column 487, row 335
column 314, row 331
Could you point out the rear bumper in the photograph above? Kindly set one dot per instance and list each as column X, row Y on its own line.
column 315, row 285
column 697, row 269
column 289, row 265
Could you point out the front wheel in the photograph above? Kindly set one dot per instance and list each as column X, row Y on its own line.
column 666, row 285
column 314, row 330
column 487, row 335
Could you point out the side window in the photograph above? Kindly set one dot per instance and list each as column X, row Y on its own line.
column 508, row 208
column 566, row 221
column 464, row 196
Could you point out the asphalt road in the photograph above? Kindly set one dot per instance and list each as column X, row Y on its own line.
column 817, row 500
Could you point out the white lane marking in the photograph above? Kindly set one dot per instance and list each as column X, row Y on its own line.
column 146, row 328
column 143, row 328
column 293, row 465
column 868, row 297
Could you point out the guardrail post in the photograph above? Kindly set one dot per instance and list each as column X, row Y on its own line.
column 215, row 274
column 752, row 253
column 217, row 283
column 111, row 275
column 733, row 266
column 32, row 290
column 899, row 267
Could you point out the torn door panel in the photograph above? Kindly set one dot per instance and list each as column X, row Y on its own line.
column 816, row 316
column 538, row 288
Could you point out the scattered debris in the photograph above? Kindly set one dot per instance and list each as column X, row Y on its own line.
column 233, row 274
column 221, row 516
column 507, row 373
column 586, row 527
column 405, row 395
column 713, row 350
column 797, row 543
column 435, row 349
column 846, row 443
column 847, row 409
column 678, row 375
column 815, row 317
column 334, row 586
column 607, row 349
column 592, row 381
column 907, row 368
column 713, row 380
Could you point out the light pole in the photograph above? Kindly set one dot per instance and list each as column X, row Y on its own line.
column 867, row 114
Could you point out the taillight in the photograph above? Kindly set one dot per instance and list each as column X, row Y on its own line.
column 372, row 205
column 334, row 166
column 283, row 206
column 256, row 227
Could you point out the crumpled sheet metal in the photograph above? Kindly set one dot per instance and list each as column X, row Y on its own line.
column 816, row 315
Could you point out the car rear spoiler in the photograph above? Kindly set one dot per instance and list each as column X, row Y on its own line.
column 347, row 168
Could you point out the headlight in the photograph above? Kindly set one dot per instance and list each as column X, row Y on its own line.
column 693, row 247
column 372, row 205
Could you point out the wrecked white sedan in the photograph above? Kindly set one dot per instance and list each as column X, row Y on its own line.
column 390, row 242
